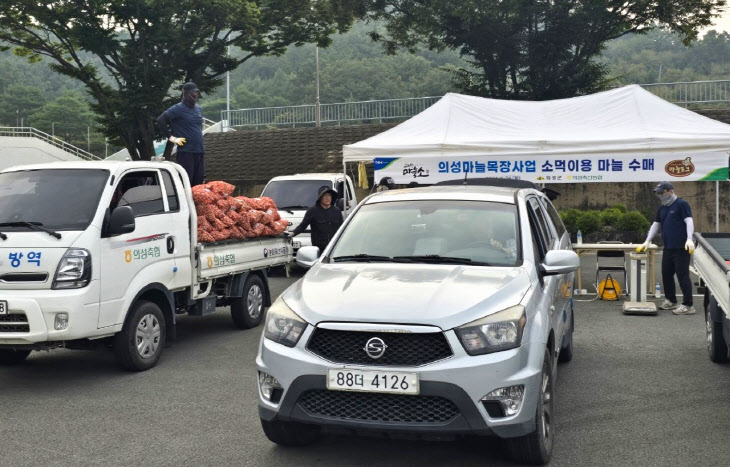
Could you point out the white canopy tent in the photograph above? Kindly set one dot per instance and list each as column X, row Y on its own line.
column 582, row 136
column 624, row 120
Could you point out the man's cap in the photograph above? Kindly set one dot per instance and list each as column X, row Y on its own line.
column 190, row 87
column 325, row 189
column 387, row 181
column 663, row 186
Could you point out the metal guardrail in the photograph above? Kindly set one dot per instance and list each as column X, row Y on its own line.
column 681, row 93
column 692, row 92
column 344, row 112
column 31, row 132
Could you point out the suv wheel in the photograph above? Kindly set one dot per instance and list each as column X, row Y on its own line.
column 537, row 447
column 289, row 433
column 716, row 345
column 10, row 357
column 566, row 351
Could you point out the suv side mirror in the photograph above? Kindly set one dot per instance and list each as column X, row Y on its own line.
column 121, row 221
column 307, row 256
column 560, row 262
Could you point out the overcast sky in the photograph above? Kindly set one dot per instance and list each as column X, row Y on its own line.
column 723, row 22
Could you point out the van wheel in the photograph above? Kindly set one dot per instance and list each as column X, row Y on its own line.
column 716, row 345
column 290, row 433
column 537, row 447
column 248, row 310
column 9, row 357
column 139, row 345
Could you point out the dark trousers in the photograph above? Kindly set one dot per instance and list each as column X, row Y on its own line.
column 194, row 165
column 676, row 261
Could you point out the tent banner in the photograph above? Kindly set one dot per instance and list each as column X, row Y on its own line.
column 649, row 167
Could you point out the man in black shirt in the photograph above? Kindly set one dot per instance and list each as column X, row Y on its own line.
column 324, row 217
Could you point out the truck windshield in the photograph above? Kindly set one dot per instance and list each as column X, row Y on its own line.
column 57, row 199
column 294, row 194
column 446, row 232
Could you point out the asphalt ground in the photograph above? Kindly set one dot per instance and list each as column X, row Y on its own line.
column 639, row 391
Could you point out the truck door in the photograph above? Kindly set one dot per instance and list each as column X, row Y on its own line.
column 178, row 241
column 131, row 261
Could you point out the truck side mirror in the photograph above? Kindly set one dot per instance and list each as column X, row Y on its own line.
column 341, row 204
column 121, row 221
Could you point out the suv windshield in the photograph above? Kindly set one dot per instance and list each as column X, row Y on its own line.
column 448, row 232
column 300, row 194
column 57, row 199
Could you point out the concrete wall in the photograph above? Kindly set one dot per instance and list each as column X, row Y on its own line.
column 27, row 150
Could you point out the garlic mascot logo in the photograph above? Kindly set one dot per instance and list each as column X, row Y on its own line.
column 128, row 256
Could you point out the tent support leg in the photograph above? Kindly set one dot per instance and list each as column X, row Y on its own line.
column 717, row 205
column 344, row 174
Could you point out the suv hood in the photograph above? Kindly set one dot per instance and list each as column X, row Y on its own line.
column 439, row 295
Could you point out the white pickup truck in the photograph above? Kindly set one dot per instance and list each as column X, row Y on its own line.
column 711, row 259
column 294, row 194
column 100, row 254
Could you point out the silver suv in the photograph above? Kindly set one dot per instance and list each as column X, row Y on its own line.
column 439, row 310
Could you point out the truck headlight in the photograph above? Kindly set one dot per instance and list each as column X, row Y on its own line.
column 283, row 325
column 494, row 333
column 74, row 270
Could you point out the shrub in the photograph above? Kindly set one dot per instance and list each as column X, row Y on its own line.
column 588, row 221
column 620, row 207
column 610, row 216
column 633, row 221
column 570, row 218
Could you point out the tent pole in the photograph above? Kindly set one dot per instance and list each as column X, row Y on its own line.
column 344, row 180
column 717, row 205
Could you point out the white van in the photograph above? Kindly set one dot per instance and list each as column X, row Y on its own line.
column 294, row 194
column 102, row 254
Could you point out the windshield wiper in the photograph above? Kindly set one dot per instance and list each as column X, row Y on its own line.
column 289, row 208
column 368, row 258
column 442, row 259
column 31, row 225
column 3, row 236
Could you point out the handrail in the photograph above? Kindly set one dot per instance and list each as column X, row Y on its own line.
column 31, row 132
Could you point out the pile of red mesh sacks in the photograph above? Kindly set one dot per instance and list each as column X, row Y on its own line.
column 222, row 216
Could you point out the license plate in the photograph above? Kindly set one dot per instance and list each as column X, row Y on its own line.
column 296, row 244
column 3, row 307
column 392, row 382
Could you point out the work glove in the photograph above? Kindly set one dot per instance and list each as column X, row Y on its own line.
column 689, row 245
column 288, row 234
column 178, row 141
column 643, row 247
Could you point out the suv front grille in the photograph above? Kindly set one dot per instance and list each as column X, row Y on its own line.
column 402, row 348
column 378, row 407
column 14, row 323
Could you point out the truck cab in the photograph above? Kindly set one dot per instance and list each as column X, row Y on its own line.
column 294, row 194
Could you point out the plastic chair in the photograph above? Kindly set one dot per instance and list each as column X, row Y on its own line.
column 611, row 261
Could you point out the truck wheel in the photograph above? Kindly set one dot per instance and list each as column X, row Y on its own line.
column 10, row 357
column 248, row 310
column 290, row 433
column 716, row 345
column 537, row 447
column 566, row 351
column 139, row 345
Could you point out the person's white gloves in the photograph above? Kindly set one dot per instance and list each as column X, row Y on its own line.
column 178, row 141
column 689, row 245
column 643, row 247
column 288, row 234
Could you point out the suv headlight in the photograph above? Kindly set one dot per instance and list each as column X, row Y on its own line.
column 494, row 333
column 283, row 325
column 74, row 270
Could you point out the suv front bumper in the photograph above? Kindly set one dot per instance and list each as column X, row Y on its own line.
column 462, row 380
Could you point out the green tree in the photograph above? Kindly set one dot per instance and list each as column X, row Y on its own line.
column 145, row 49
column 68, row 117
column 19, row 101
column 526, row 49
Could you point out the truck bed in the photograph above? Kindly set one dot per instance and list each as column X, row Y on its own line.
column 236, row 256
column 710, row 261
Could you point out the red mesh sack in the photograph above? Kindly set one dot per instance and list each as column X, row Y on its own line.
column 256, row 204
column 203, row 224
column 241, row 204
column 255, row 217
column 278, row 228
column 258, row 229
column 228, row 221
column 274, row 214
column 205, row 237
column 217, row 224
column 236, row 217
column 202, row 195
column 237, row 233
column 245, row 220
column 266, row 218
column 267, row 203
column 221, row 188
column 220, row 235
column 267, row 231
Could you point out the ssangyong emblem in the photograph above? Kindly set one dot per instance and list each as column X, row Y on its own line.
column 375, row 348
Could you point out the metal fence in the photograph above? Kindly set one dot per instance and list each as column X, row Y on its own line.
column 29, row 132
column 683, row 93
column 694, row 92
column 378, row 111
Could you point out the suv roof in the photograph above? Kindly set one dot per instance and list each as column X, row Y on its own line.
column 449, row 192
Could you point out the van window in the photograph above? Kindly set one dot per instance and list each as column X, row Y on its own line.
column 294, row 194
column 141, row 191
